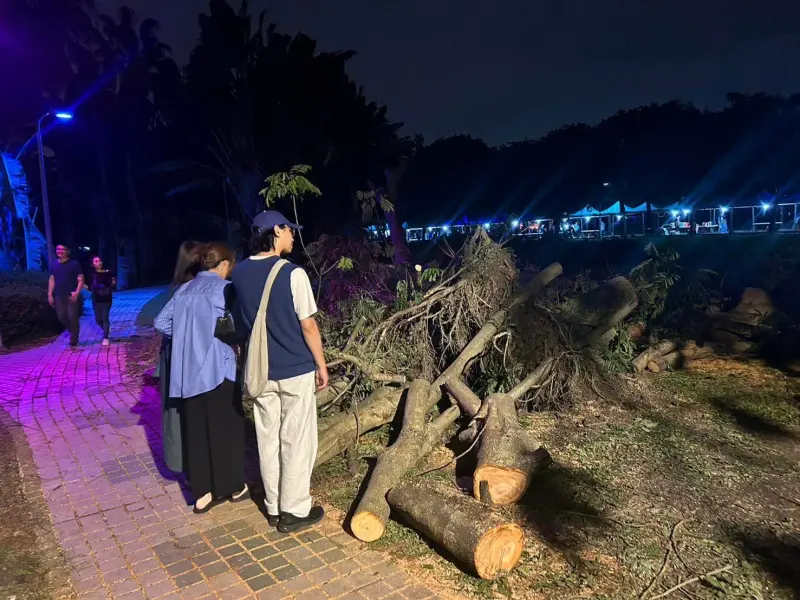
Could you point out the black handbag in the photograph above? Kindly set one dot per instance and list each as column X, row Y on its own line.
column 225, row 329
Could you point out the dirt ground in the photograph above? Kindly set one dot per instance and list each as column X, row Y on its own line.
column 696, row 471
column 32, row 566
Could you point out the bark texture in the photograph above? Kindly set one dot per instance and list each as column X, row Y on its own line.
column 481, row 540
column 416, row 439
column 508, row 457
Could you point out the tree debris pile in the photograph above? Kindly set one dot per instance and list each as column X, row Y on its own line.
column 465, row 345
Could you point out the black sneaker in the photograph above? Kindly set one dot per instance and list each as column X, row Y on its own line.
column 291, row 524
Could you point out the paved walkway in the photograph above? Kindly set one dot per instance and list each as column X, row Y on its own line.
column 124, row 523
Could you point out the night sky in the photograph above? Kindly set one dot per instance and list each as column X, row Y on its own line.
column 510, row 69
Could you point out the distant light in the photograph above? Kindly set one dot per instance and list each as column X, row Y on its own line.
column 446, row 229
column 487, row 225
column 606, row 184
column 64, row 116
column 563, row 220
column 515, row 223
column 674, row 213
column 724, row 209
column 430, row 228
column 587, row 219
column 766, row 206
column 538, row 221
column 619, row 217
column 685, row 211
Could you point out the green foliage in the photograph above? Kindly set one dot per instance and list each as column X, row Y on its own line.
column 668, row 295
column 368, row 200
column 617, row 358
column 345, row 264
column 431, row 275
column 654, row 278
column 25, row 313
column 407, row 295
column 292, row 184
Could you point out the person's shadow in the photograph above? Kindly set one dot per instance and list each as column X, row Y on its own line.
column 150, row 413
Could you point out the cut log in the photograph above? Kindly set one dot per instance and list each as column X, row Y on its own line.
column 416, row 439
column 478, row 538
column 669, row 362
column 508, row 457
column 653, row 352
column 339, row 431
column 657, row 366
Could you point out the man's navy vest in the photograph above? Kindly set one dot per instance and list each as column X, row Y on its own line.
column 289, row 355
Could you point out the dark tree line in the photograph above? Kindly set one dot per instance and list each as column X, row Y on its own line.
column 158, row 152
column 661, row 153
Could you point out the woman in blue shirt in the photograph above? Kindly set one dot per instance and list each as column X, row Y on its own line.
column 202, row 373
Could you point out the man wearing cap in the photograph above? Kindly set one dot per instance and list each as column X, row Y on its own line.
column 286, row 415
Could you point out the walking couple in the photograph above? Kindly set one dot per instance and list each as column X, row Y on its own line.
column 272, row 305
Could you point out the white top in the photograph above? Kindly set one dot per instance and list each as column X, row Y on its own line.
column 302, row 295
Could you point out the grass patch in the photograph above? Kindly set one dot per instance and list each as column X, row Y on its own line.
column 715, row 446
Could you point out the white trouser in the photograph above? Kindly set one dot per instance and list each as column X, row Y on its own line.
column 286, row 430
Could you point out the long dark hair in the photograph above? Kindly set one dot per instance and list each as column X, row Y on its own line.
column 188, row 263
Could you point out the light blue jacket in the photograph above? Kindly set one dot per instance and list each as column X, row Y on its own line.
column 200, row 362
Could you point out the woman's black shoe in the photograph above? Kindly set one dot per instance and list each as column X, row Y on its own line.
column 273, row 520
column 291, row 524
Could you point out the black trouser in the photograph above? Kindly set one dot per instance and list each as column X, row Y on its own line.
column 215, row 442
column 101, row 315
column 68, row 313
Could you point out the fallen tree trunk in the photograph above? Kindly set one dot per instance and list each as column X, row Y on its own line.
column 509, row 455
column 652, row 353
column 481, row 540
column 611, row 302
column 416, row 440
column 332, row 392
column 338, row 432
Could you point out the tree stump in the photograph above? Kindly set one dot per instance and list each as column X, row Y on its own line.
column 509, row 455
column 416, row 439
column 478, row 538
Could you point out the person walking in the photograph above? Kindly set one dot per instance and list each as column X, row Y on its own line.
column 102, row 283
column 64, row 291
column 203, row 374
column 285, row 412
column 186, row 268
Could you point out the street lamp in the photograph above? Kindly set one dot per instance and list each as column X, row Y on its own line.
column 48, row 231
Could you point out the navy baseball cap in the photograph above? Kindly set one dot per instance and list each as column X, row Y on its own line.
column 269, row 219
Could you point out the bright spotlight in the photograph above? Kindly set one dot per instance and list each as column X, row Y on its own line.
column 64, row 116
column 724, row 209
column 766, row 206
column 515, row 223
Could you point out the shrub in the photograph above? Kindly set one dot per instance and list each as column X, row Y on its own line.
column 25, row 313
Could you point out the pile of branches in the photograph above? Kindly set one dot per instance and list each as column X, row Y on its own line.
column 426, row 356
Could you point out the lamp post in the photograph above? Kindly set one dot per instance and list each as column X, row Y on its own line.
column 48, row 231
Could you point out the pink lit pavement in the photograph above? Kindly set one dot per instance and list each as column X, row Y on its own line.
column 123, row 522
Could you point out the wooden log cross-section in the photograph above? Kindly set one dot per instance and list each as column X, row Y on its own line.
column 509, row 455
column 476, row 536
column 417, row 438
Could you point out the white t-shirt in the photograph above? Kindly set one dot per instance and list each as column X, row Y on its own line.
column 302, row 295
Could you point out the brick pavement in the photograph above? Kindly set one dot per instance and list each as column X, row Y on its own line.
column 124, row 523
